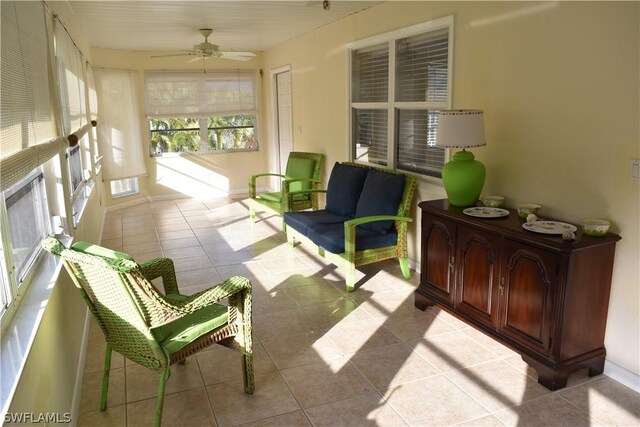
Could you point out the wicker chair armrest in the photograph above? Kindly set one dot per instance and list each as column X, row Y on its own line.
column 236, row 286
column 161, row 267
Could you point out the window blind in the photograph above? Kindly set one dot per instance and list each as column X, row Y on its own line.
column 421, row 67
column 27, row 128
column 119, row 127
column 371, row 136
column 26, row 119
column 370, row 74
column 91, row 91
column 416, row 150
column 183, row 94
column 69, row 63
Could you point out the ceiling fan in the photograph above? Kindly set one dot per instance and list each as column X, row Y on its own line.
column 206, row 50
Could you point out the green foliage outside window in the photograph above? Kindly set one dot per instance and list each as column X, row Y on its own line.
column 224, row 133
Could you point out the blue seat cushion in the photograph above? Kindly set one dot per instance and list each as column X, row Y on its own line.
column 300, row 221
column 380, row 195
column 330, row 237
column 343, row 189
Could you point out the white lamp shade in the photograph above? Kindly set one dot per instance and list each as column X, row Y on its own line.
column 460, row 129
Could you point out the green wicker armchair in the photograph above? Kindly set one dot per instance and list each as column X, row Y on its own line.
column 302, row 173
column 152, row 329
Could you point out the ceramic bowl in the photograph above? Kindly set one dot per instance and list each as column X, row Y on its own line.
column 595, row 227
column 525, row 209
column 492, row 201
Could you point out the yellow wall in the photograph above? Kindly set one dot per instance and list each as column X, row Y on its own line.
column 559, row 85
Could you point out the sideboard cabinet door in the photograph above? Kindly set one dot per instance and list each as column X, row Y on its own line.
column 477, row 275
column 437, row 270
column 528, row 286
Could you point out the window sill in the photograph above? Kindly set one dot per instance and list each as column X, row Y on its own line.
column 20, row 334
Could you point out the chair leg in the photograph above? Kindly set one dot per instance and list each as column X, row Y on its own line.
column 105, row 378
column 164, row 376
column 404, row 267
column 247, row 372
column 350, row 278
column 252, row 214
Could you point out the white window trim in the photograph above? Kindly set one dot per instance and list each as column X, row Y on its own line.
column 390, row 38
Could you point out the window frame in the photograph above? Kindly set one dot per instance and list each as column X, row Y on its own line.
column 391, row 106
column 15, row 283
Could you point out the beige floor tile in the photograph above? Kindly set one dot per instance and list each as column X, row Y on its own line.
column 392, row 365
column 292, row 419
column 300, row 349
column 113, row 416
column 204, row 277
column 128, row 240
column 185, row 242
column 606, row 400
column 179, row 253
column 142, row 383
column 172, row 226
column 342, row 310
column 280, row 323
column 221, row 255
column 178, row 234
column 362, row 335
column 490, row 343
column 220, row 364
column 193, row 263
column 497, row 385
column 384, row 304
column 129, row 230
column 141, row 248
column 368, row 409
column 323, row 382
column 232, row 406
column 415, row 325
column 453, row 351
column 115, row 244
column 269, row 302
column 486, row 421
column 428, row 402
column 313, row 294
column 551, row 410
column 187, row 408
column 92, row 390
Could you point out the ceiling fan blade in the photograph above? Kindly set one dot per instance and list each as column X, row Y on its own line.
column 198, row 58
column 237, row 56
column 173, row 54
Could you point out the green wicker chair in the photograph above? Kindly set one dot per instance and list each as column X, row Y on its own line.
column 302, row 173
column 152, row 329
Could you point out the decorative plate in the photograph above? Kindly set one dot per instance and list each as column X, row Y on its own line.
column 548, row 227
column 486, row 212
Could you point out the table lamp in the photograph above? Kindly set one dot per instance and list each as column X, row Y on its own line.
column 463, row 176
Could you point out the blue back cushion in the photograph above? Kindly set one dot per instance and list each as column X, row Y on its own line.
column 380, row 195
column 343, row 190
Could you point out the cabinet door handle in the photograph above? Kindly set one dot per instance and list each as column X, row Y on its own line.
column 452, row 265
column 501, row 287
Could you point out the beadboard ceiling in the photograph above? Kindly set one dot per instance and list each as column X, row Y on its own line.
column 173, row 25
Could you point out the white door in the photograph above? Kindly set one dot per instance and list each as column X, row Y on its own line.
column 284, row 117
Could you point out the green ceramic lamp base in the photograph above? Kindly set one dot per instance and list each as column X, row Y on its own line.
column 463, row 179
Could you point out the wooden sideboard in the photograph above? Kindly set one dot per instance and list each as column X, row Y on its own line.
column 543, row 297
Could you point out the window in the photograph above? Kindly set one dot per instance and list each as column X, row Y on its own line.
column 201, row 113
column 124, row 187
column 399, row 82
column 27, row 224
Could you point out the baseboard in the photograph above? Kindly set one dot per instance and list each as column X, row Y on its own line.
column 77, row 389
column 622, row 375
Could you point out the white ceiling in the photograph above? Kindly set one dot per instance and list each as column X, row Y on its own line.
column 173, row 25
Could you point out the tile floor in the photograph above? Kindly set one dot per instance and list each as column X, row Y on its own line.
column 324, row 357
